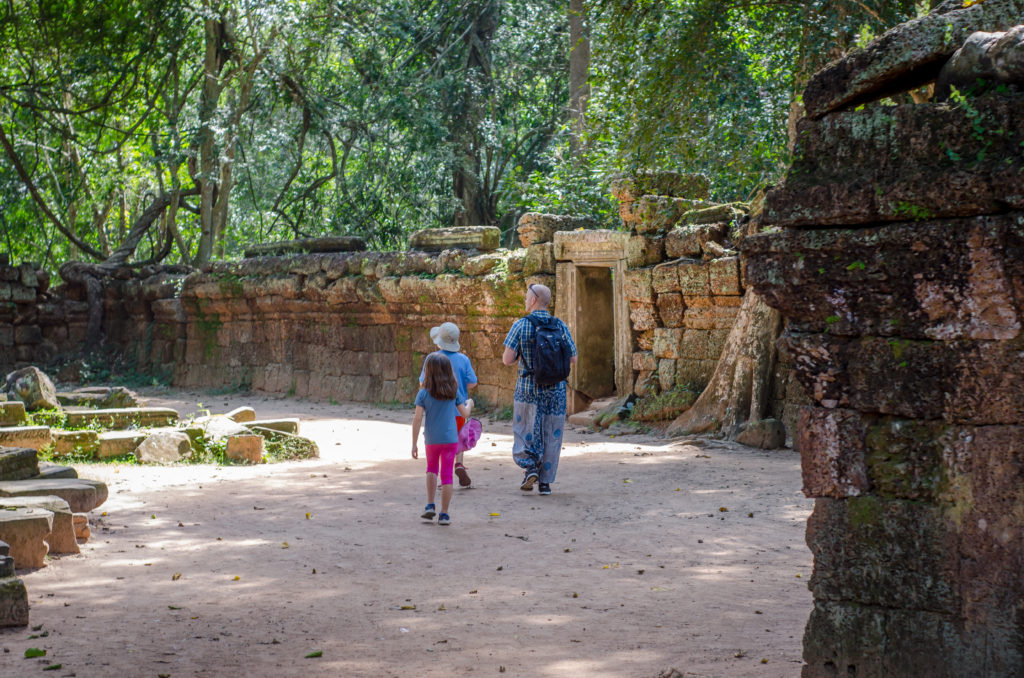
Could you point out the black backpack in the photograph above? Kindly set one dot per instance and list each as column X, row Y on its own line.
column 551, row 351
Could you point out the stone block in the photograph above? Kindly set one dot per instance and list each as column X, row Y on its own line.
column 51, row 471
column 665, row 277
column 645, row 250
column 668, row 342
column 638, row 285
column 61, row 538
column 164, row 447
column 535, row 227
column 833, row 448
column 13, row 602
column 344, row 243
column 644, row 316
column 671, row 309
column 904, row 57
column 646, row 384
column 81, row 494
column 884, row 552
column 693, row 277
column 35, row 437
column 724, row 276
column 247, row 449
column 78, row 443
column 644, row 339
column 18, row 463
column 286, row 425
column 644, row 361
column 80, row 521
column 124, row 417
column 483, row 238
column 120, row 443
column 540, row 258
column 766, row 434
column 27, row 334
column 716, row 214
column 482, row 264
column 666, row 374
column 890, row 281
column 25, row 530
column 960, row 382
column 683, row 241
column 241, row 414
column 657, row 213
column 694, row 345
column 694, row 373
column 32, row 387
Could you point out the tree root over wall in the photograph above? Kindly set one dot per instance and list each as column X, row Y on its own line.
column 740, row 388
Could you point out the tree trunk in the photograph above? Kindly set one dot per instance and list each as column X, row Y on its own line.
column 213, row 62
column 579, row 68
column 740, row 388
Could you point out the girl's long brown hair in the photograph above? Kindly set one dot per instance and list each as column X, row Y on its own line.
column 439, row 380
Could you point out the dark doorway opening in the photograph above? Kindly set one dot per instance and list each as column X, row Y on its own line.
column 595, row 332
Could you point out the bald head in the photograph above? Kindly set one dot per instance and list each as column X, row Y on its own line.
column 541, row 293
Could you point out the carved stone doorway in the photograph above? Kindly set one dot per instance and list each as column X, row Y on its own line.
column 590, row 274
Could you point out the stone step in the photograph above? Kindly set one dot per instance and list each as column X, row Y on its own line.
column 51, row 471
column 118, row 443
column 18, row 463
column 35, row 437
column 81, row 494
column 79, row 443
column 287, row 425
column 25, row 530
column 124, row 417
column 12, row 413
column 62, row 534
column 13, row 603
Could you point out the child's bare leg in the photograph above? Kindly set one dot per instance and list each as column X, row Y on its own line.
column 458, row 459
column 446, row 497
column 432, row 487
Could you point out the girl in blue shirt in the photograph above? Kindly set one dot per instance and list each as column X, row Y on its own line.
column 437, row 404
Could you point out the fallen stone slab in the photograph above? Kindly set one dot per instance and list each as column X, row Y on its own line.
column 118, row 443
column 241, row 414
column 81, row 525
column 124, row 417
column 35, row 437
column 18, row 463
column 31, row 386
column 905, row 57
column 12, row 413
column 101, row 397
column 247, row 448
column 81, row 494
column 164, row 447
column 299, row 447
column 80, row 443
column 51, row 471
column 344, row 243
column 483, row 238
column 13, row 599
column 25, row 530
column 767, row 434
column 215, row 428
column 287, row 425
column 62, row 535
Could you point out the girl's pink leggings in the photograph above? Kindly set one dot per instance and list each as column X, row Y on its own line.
column 443, row 456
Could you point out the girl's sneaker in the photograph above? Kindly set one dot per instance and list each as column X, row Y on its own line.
column 429, row 512
column 444, row 519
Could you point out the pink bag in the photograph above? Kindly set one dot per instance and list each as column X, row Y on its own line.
column 470, row 434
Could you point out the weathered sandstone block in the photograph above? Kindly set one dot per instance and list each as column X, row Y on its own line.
column 483, row 238
column 31, row 386
column 904, row 163
column 62, row 534
column 832, row 451
column 164, row 447
column 81, row 494
column 12, row 413
column 951, row 279
column 247, row 448
column 535, row 227
column 84, row 443
column 671, row 309
column 18, row 463
column 35, row 437
column 124, row 417
column 13, row 600
column 241, row 414
column 25, row 530
column 344, row 243
column 906, row 56
column 118, row 443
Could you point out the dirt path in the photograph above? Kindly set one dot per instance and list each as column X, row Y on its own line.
column 630, row 568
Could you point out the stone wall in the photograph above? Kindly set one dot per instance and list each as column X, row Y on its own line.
column 900, row 267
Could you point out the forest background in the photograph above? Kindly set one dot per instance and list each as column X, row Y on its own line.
column 173, row 131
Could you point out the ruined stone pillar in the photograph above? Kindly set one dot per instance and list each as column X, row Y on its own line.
column 898, row 260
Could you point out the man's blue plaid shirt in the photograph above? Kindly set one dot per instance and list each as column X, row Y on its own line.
column 520, row 338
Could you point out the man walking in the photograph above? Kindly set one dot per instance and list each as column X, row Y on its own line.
column 538, row 414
